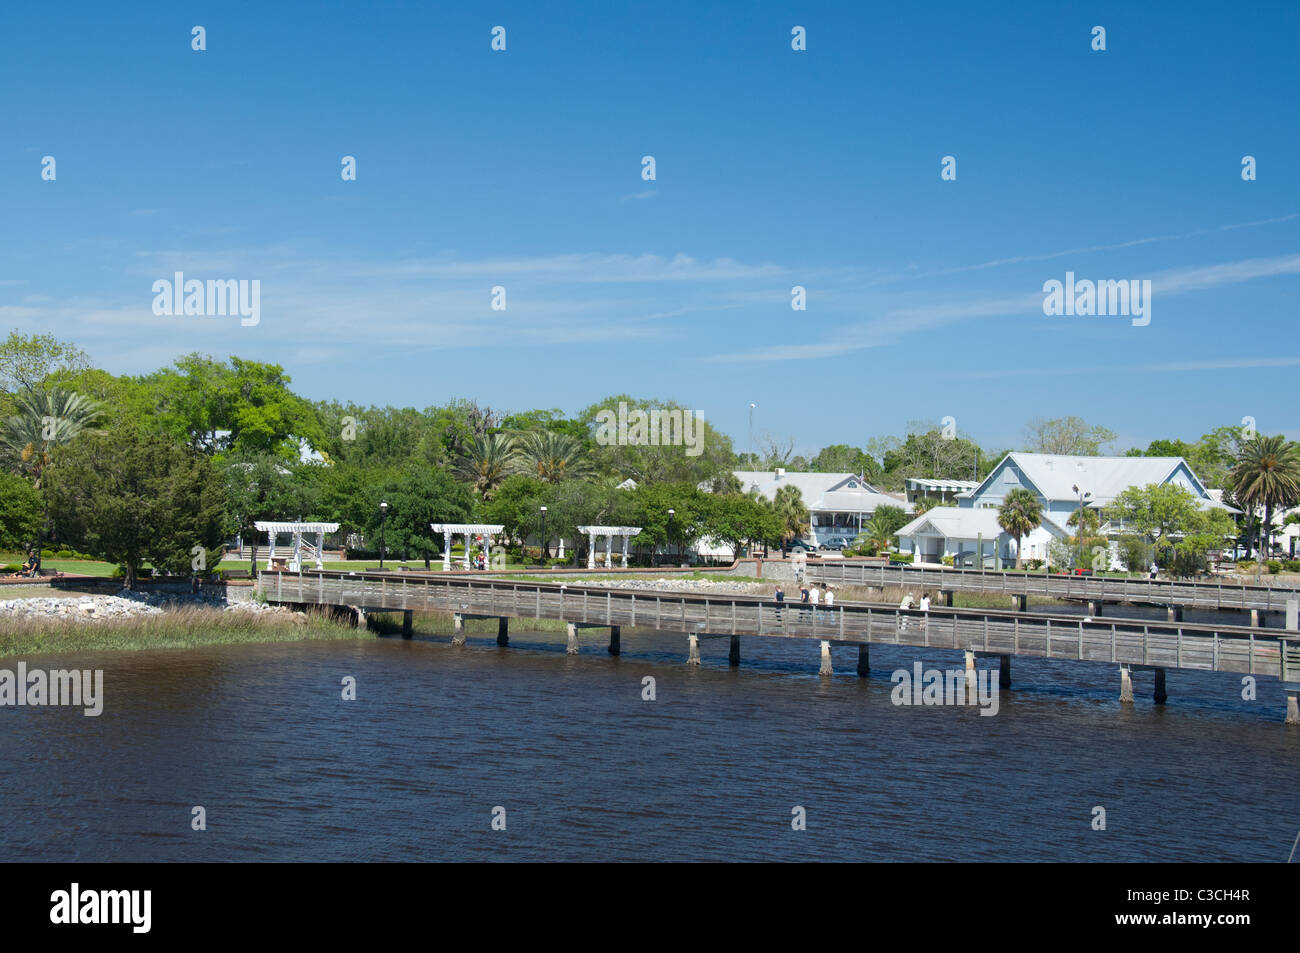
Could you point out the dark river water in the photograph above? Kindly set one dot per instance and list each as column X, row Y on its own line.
column 587, row 770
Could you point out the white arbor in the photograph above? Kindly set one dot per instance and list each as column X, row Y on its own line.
column 609, row 532
column 469, row 531
column 273, row 528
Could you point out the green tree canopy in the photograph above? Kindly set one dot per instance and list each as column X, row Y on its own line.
column 22, row 513
column 1167, row 516
column 242, row 406
column 132, row 497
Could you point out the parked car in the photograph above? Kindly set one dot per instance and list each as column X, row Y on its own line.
column 836, row 542
column 800, row 545
column 966, row 560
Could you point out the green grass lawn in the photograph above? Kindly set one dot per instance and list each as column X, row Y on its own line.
column 83, row 567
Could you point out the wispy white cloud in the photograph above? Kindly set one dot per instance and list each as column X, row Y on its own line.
column 1114, row 246
column 926, row 311
column 1218, row 364
column 1204, row 277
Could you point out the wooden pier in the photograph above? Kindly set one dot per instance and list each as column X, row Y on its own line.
column 1093, row 589
column 1131, row 644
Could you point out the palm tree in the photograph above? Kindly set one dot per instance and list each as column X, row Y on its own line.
column 924, row 504
column 489, row 460
column 1267, row 474
column 1020, row 514
column 877, row 533
column 46, row 419
column 551, row 456
column 791, row 514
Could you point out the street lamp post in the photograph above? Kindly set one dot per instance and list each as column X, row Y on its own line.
column 752, row 462
column 546, row 552
column 383, row 519
column 670, row 530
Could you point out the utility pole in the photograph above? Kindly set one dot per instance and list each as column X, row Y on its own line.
column 752, row 462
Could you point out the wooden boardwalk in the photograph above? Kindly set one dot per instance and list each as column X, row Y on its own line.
column 1129, row 643
column 1204, row 595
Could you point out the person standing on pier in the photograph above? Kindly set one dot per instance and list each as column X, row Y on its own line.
column 814, row 597
column 780, row 601
column 829, row 600
column 1154, row 569
column 925, row 607
column 803, row 599
column 902, row 619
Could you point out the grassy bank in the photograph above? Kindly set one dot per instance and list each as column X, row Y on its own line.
column 173, row 629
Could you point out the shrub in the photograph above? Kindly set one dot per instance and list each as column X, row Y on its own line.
column 1032, row 564
column 1245, row 564
column 1291, row 565
column 946, row 560
column 47, row 554
column 1274, row 566
column 1184, row 562
column 1134, row 553
column 65, row 554
column 11, row 567
column 900, row 557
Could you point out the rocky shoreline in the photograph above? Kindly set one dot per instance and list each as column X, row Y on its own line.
column 125, row 604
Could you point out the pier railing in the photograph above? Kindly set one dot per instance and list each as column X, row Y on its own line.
column 1208, row 595
column 1124, row 641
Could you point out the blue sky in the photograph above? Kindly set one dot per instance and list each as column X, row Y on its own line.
column 775, row 168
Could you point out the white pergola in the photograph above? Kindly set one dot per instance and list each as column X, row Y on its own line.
column 468, row 530
column 609, row 532
column 273, row 529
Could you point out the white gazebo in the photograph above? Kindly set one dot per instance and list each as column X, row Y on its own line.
column 609, row 532
column 273, row 529
column 469, row 531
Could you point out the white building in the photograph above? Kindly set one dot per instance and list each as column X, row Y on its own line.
column 1061, row 483
column 838, row 503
